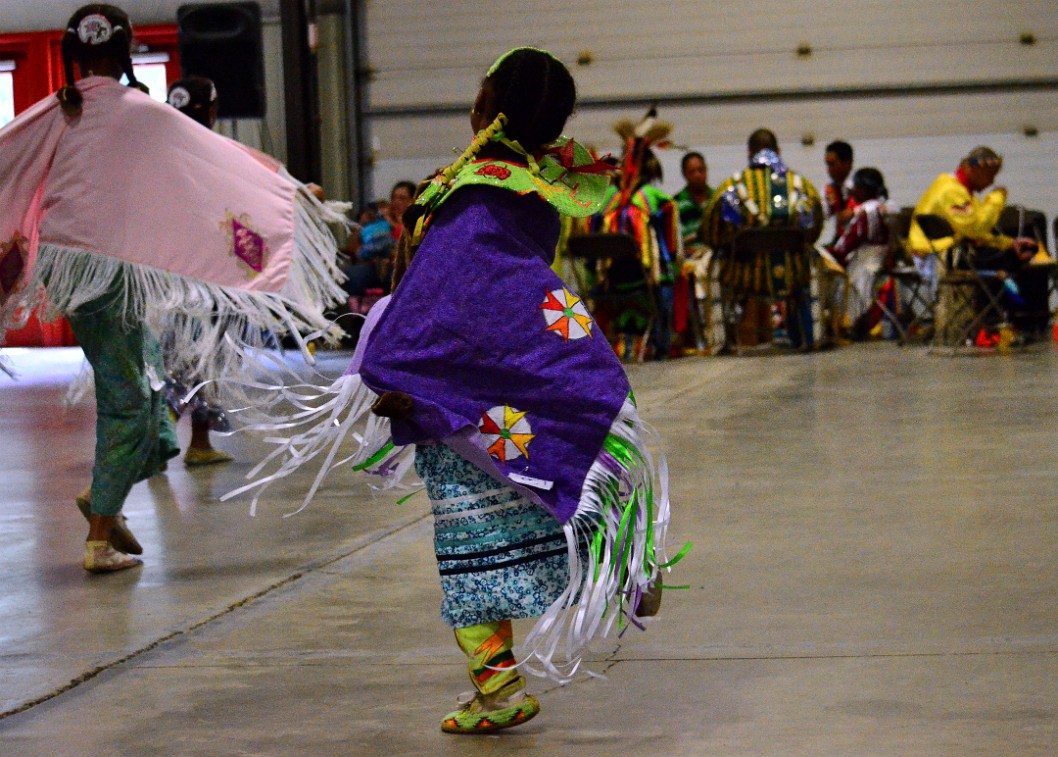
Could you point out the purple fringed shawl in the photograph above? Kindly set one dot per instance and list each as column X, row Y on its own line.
column 481, row 331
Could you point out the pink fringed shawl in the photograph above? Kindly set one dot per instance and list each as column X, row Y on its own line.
column 193, row 222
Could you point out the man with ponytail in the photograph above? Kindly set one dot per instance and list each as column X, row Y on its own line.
column 101, row 220
column 488, row 374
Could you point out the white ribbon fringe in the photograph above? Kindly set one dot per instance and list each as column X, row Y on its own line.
column 210, row 328
column 328, row 416
column 597, row 593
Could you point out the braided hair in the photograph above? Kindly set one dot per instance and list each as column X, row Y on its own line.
column 533, row 95
column 193, row 96
column 537, row 94
column 94, row 33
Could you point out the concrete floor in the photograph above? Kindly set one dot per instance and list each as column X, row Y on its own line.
column 875, row 572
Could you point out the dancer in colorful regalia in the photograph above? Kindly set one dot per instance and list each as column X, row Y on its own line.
column 766, row 194
column 863, row 247
column 634, row 206
column 117, row 211
column 546, row 499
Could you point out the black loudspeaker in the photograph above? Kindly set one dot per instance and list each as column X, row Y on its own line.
column 222, row 42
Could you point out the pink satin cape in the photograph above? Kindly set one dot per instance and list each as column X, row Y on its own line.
column 134, row 179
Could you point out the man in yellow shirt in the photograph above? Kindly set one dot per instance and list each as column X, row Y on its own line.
column 973, row 219
column 953, row 197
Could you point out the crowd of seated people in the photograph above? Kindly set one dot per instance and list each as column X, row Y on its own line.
column 864, row 246
column 649, row 304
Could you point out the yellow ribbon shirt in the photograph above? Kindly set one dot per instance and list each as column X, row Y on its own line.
column 972, row 219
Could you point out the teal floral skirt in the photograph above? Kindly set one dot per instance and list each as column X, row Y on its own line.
column 500, row 556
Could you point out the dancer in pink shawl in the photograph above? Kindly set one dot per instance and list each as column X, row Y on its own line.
column 117, row 210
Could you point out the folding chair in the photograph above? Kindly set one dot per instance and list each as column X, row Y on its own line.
column 615, row 256
column 911, row 311
column 769, row 263
column 1018, row 221
column 958, row 312
column 830, row 295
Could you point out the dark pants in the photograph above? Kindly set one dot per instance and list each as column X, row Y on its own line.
column 1032, row 314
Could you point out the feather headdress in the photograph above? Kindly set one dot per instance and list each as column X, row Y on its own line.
column 638, row 139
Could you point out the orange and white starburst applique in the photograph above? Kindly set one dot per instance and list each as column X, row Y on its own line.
column 507, row 433
column 566, row 315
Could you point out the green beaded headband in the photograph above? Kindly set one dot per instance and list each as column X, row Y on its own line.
column 499, row 61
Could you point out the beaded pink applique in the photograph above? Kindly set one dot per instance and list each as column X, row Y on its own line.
column 246, row 244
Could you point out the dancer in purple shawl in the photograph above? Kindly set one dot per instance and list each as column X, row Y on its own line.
column 523, row 425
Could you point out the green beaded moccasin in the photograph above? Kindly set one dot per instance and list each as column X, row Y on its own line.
column 485, row 713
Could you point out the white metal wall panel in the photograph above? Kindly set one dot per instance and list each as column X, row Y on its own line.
column 435, row 53
column 431, row 57
column 434, row 136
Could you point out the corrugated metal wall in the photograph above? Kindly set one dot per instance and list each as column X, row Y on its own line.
column 913, row 85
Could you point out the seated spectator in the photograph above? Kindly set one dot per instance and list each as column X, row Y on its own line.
column 370, row 249
column 767, row 194
column 954, row 198
column 401, row 197
column 690, row 202
column 692, row 199
column 375, row 245
column 838, row 200
column 864, row 245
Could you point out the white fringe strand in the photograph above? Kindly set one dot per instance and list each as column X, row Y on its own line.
column 328, row 416
column 605, row 588
column 211, row 328
column 624, row 508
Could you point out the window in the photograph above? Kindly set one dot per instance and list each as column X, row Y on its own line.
column 7, row 92
column 150, row 70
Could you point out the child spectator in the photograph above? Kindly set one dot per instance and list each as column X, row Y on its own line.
column 864, row 243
